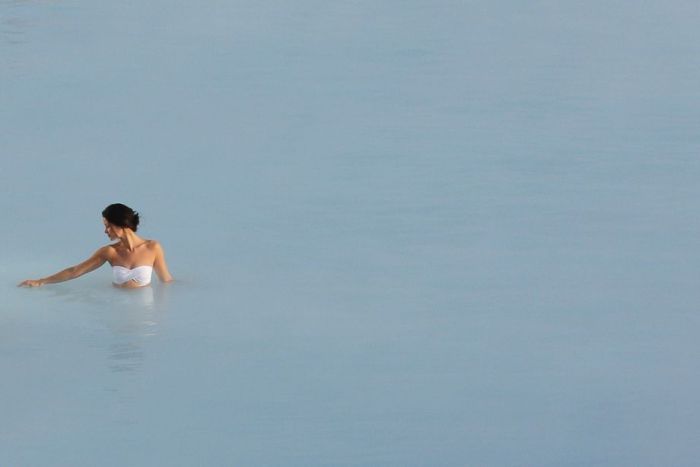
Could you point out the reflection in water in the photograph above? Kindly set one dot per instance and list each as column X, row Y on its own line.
column 117, row 327
column 134, row 316
column 131, row 318
column 125, row 357
column 130, row 315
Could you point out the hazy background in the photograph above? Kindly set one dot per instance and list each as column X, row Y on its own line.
column 404, row 232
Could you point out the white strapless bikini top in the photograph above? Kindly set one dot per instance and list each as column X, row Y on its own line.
column 140, row 274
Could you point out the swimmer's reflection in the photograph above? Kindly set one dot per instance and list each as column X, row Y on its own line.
column 131, row 316
column 137, row 317
column 137, row 310
column 132, row 321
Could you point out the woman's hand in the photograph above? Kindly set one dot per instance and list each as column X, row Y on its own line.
column 31, row 283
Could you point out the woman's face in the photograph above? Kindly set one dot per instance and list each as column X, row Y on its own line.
column 112, row 231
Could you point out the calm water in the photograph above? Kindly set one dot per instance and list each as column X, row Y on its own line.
column 406, row 233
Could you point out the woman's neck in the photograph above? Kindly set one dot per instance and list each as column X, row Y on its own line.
column 130, row 240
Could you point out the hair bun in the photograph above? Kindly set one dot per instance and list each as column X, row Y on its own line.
column 121, row 216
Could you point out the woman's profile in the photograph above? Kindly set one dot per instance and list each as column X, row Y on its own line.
column 133, row 259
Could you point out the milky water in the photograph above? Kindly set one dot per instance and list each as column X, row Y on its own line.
column 403, row 233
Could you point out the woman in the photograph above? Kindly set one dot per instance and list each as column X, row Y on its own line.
column 133, row 259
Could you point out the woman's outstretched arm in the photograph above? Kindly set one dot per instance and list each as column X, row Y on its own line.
column 90, row 264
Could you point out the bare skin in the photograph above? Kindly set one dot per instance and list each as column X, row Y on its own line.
column 130, row 251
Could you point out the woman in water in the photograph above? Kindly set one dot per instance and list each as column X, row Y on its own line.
column 133, row 259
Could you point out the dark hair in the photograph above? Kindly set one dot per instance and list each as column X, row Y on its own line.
column 121, row 216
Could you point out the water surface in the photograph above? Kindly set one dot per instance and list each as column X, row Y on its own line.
column 404, row 233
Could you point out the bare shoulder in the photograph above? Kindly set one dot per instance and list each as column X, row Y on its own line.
column 107, row 252
column 153, row 245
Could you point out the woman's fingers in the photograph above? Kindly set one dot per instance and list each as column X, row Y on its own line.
column 29, row 283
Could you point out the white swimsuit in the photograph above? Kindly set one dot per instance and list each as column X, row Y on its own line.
column 140, row 274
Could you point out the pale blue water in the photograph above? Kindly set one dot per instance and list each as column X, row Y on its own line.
column 405, row 233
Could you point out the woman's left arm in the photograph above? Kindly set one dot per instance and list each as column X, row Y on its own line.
column 160, row 266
